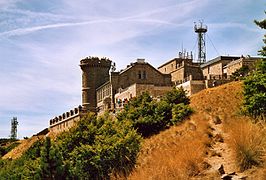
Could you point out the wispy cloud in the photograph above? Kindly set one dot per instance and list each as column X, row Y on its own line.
column 41, row 45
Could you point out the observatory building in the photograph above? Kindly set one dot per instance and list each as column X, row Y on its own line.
column 104, row 89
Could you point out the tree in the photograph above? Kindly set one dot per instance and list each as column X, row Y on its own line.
column 99, row 146
column 255, row 92
column 51, row 162
column 149, row 117
column 255, row 84
column 241, row 73
column 262, row 25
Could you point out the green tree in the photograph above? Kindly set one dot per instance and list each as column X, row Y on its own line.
column 176, row 96
column 99, row 146
column 255, row 92
column 150, row 117
column 51, row 162
column 241, row 73
column 255, row 84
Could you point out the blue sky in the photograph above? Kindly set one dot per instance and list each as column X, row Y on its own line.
column 42, row 42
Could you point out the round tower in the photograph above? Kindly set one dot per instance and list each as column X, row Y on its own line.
column 95, row 72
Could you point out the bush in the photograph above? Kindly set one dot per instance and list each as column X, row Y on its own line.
column 248, row 141
column 255, row 92
column 179, row 112
column 99, row 146
column 176, row 96
column 150, row 117
column 241, row 73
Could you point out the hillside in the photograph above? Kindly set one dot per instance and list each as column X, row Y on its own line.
column 200, row 147
column 24, row 145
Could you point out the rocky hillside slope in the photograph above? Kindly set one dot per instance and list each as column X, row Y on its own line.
column 200, row 147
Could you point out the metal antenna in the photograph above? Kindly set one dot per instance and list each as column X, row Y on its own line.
column 14, row 124
column 201, row 29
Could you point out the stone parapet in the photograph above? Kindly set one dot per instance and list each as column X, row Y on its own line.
column 66, row 116
column 95, row 62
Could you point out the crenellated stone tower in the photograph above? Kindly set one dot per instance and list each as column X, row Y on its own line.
column 95, row 72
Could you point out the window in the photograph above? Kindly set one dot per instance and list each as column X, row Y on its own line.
column 144, row 75
column 139, row 74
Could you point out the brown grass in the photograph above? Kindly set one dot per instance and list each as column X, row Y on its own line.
column 24, row 145
column 248, row 141
column 177, row 153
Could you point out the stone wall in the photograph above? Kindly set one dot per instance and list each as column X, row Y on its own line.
column 192, row 86
column 142, row 73
column 95, row 72
column 216, row 67
column 66, row 120
column 124, row 95
column 237, row 64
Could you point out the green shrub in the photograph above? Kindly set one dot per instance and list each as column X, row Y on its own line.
column 241, row 73
column 255, row 92
column 150, row 117
column 176, row 96
column 99, row 146
column 179, row 112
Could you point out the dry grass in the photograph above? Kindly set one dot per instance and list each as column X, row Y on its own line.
column 177, row 153
column 24, row 145
column 248, row 142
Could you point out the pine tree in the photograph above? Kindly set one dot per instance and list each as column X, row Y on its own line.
column 51, row 165
column 262, row 25
column 255, row 85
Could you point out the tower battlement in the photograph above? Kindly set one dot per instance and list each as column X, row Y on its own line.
column 95, row 72
column 95, row 62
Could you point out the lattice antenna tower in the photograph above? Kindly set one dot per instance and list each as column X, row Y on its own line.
column 14, row 130
column 201, row 29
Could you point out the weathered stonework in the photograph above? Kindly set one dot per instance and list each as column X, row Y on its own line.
column 216, row 66
column 139, row 73
column 95, row 72
column 66, row 120
column 124, row 95
column 103, row 90
column 180, row 69
column 237, row 64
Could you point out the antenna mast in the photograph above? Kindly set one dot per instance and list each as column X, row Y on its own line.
column 201, row 29
column 14, row 124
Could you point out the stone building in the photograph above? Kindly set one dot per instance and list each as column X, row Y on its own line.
column 95, row 72
column 130, row 82
column 181, row 68
column 66, row 120
column 214, row 69
column 104, row 90
column 184, row 73
column 234, row 65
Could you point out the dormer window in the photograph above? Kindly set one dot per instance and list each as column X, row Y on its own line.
column 142, row 75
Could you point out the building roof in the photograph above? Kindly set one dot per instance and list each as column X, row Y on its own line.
column 140, row 62
column 219, row 58
column 175, row 59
